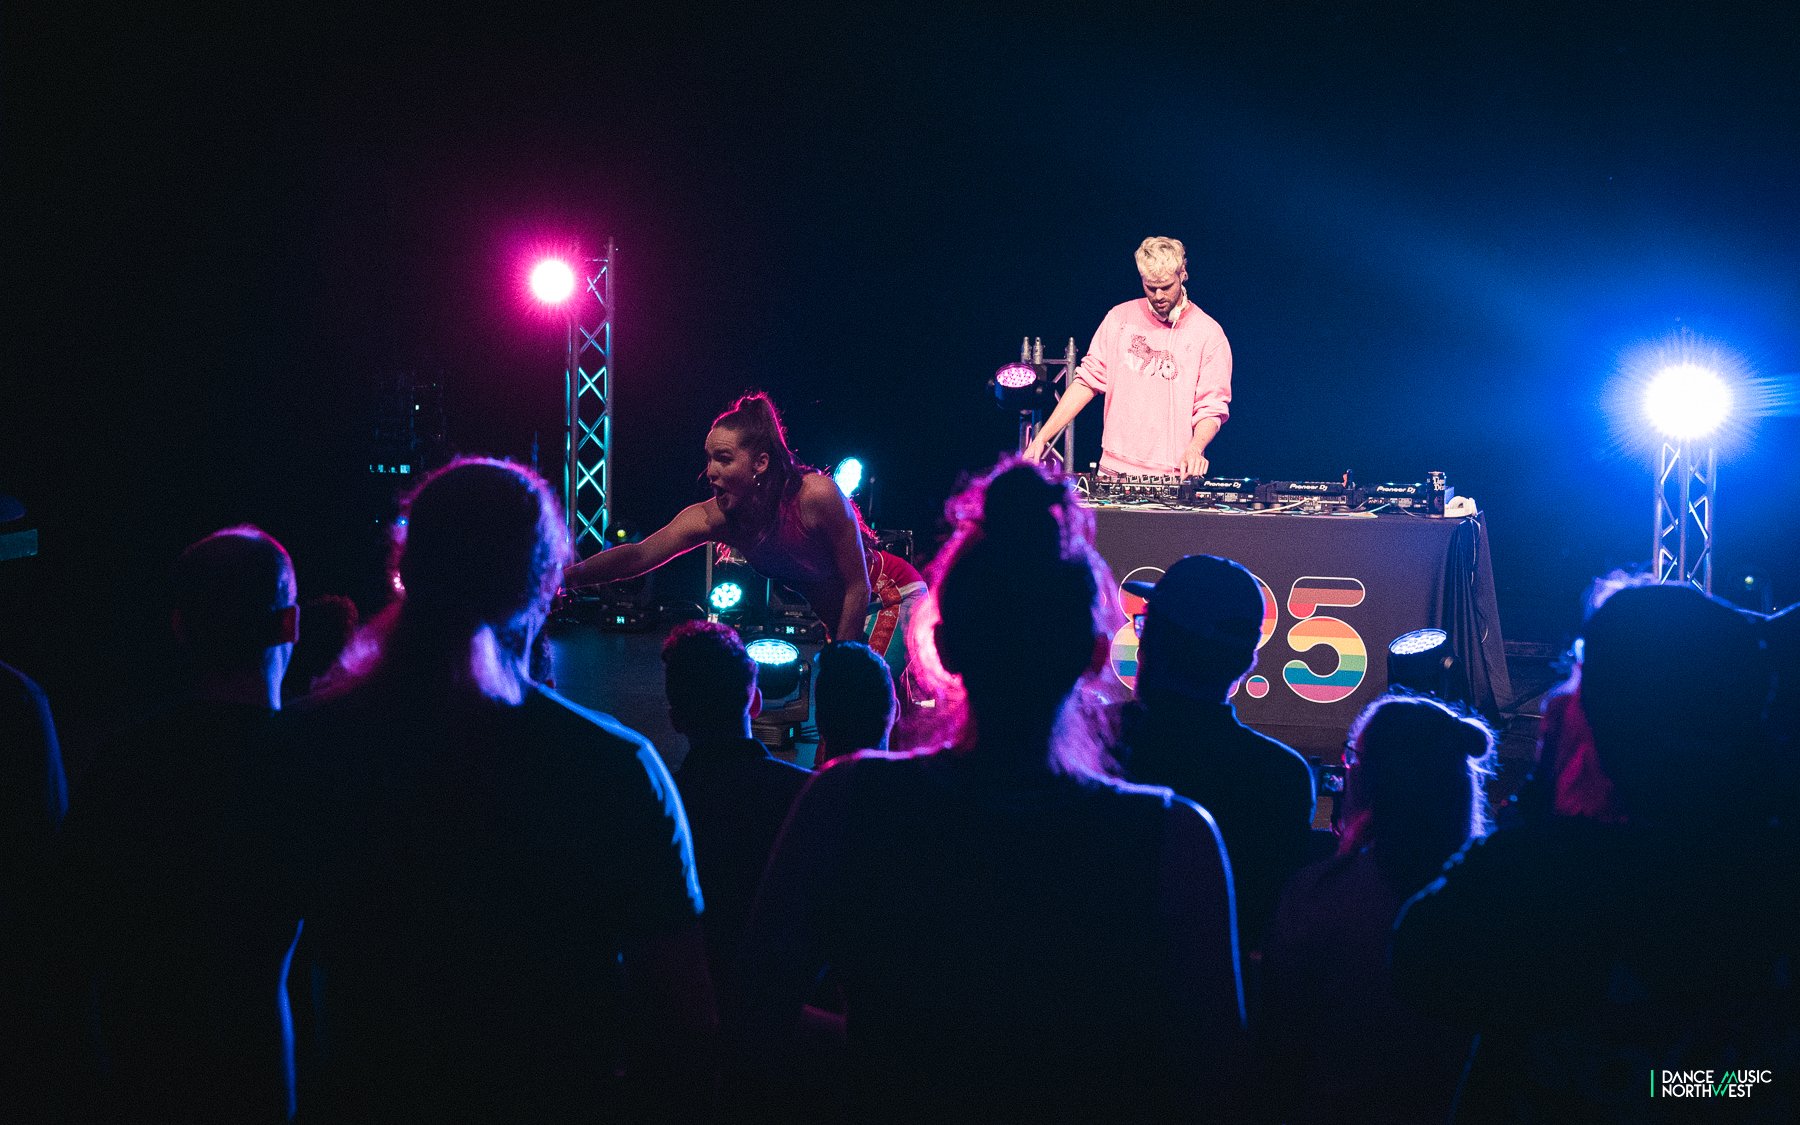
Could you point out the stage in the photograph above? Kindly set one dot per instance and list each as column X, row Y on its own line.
column 621, row 674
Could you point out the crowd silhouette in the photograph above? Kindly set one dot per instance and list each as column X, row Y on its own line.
column 381, row 871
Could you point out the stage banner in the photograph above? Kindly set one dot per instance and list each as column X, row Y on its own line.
column 1336, row 591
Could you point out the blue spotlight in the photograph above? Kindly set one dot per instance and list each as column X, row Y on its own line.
column 848, row 475
column 771, row 651
column 1423, row 661
column 726, row 595
column 1687, row 401
column 778, row 670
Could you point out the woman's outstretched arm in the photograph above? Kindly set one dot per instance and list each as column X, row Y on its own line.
column 693, row 526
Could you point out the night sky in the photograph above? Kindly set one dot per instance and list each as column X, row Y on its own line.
column 1432, row 233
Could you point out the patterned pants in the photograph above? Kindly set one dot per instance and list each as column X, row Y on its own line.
column 895, row 591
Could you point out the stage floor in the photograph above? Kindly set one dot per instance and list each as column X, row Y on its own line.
column 622, row 675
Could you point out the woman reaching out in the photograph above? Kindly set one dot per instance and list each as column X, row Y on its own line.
column 788, row 521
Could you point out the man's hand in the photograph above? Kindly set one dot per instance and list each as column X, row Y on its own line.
column 1193, row 458
column 1067, row 407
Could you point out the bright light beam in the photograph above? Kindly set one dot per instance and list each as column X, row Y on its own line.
column 1687, row 401
column 552, row 281
column 848, row 475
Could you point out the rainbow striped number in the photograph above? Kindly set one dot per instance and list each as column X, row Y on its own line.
column 1314, row 629
column 1125, row 641
column 1258, row 686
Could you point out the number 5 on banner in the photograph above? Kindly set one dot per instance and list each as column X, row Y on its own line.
column 1314, row 629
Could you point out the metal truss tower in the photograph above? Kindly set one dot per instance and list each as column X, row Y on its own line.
column 588, row 378
column 1030, row 421
column 1682, row 550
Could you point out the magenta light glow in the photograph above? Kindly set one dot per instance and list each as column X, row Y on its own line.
column 1016, row 375
column 552, row 281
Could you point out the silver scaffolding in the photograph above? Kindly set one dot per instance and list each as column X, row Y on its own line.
column 1030, row 421
column 1682, row 547
column 588, row 382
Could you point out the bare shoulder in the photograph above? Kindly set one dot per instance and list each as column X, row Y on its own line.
column 820, row 499
column 704, row 520
column 819, row 487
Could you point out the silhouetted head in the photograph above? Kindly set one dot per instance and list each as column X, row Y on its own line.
column 1415, row 784
column 1202, row 620
column 234, row 599
column 1016, row 601
column 481, row 548
column 484, row 543
column 709, row 678
column 331, row 621
column 853, row 699
column 1674, row 684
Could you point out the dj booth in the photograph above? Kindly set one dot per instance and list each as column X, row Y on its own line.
column 1337, row 588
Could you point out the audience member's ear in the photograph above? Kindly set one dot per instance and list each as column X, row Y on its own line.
column 755, row 701
column 288, row 630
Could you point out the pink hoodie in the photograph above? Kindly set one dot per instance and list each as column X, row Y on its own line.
column 1160, row 381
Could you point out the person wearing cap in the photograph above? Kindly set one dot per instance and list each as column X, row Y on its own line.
column 1198, row 639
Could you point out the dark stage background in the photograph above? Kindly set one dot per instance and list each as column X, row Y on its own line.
column 1430, row 231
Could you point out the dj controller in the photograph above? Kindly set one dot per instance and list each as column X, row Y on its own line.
column 1248, row 494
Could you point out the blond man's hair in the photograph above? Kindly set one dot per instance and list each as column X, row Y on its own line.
column 1161, row 257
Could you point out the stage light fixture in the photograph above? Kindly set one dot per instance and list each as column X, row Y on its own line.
column 726, row 596
column 552, row 281
column 848, row 475
column 1687, row 401
column 777, row 669
column 771, row 651
column 1423, row 661
column 1020, row 386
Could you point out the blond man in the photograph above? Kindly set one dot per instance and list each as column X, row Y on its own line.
column 1165, row 369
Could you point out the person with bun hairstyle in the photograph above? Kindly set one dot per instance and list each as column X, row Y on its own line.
column 499, row 890
column 790, row 522
column 1019, row 937
column 1334, row 1043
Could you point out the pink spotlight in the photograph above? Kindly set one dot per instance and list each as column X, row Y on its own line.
column 552, row 281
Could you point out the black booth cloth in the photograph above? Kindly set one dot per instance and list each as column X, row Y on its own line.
column 1379, row 577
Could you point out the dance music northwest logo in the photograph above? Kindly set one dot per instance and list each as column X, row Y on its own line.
column 1702, row 1083
column 1311, row 630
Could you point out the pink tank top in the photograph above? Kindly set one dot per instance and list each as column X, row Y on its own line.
column 790, row 555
